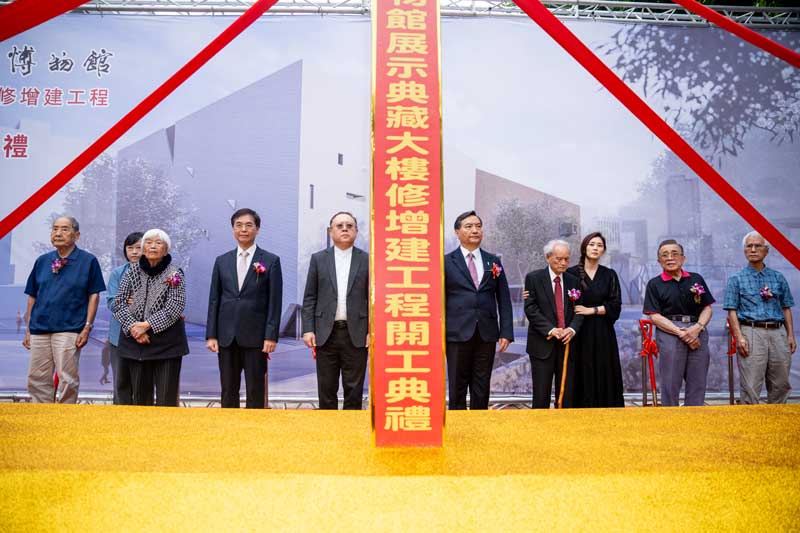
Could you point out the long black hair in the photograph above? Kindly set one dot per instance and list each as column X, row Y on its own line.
column 582, row 260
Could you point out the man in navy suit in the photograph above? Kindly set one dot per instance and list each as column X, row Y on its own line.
column 244, row 312
column 476, row 293
column 552, row 323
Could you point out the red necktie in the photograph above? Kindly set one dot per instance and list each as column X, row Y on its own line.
column 559, row 298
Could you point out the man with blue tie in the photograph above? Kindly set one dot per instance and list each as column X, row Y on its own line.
column 244, row 312
column 476, row 294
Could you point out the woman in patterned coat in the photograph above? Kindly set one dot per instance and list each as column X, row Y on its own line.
column 149, row 306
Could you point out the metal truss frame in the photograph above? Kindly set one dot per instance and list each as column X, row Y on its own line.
column 603, row 10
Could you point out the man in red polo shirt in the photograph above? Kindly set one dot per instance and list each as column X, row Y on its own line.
column 679, row 304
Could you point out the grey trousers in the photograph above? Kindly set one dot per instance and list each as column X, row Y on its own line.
column 678, row 364
column 769, row 359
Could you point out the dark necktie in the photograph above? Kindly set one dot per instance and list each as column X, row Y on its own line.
column 559, row 298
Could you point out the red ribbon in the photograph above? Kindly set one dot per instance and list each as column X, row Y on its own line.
column 649, row 346
column 731, row 340
column 23, row 15
column 589, row 60
column 135, row 115
column 756, row 39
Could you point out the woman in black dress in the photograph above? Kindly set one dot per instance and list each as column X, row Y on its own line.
column 598, row 375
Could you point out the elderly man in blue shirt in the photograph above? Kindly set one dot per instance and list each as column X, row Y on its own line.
column 759, row 302
column 63, row 293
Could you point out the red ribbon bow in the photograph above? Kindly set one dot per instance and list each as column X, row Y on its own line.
column 649, row 346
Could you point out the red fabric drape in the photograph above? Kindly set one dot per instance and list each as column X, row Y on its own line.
column 756, row 39
column 588, row 60
column 23, row 15
column 136, row 114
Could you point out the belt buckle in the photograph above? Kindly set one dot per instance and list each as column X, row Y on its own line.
column 686, row 319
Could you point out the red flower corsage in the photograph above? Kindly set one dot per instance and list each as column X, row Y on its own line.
column 174, row 279
column 496, row 270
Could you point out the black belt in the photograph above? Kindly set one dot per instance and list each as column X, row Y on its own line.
column 767, row 324
column 683, row 318
column 340, row 323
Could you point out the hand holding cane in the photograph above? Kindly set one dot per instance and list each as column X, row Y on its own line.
column 560, row 403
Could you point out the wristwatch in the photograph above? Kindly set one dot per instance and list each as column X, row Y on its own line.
column 88, row 325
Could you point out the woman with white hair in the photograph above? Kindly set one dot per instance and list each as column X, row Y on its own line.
column 149, row 307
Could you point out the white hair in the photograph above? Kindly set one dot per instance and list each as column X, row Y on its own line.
column 550, row 246
column 756, row 235
column 156, row 233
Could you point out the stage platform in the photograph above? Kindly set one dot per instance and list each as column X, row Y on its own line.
column 92, row 468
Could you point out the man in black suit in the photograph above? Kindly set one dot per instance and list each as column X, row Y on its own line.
column 552, row 323
column 244, row 312
column 476, row 292
column 336, row 314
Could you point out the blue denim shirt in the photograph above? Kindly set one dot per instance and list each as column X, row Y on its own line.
column 743, row 294
column 62, row 298
column 114, row 328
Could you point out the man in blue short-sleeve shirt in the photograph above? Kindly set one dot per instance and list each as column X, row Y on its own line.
column 759, row 305
column 63, row 293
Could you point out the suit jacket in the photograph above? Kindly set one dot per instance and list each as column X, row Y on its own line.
column 321, row 296
column 249, row 316
column 467, row 306
column 540, row 308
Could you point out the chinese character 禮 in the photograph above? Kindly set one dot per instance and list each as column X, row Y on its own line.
column 16, row 146
column 411, row 418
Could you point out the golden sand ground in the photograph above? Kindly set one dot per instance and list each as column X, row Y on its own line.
column 89, row 468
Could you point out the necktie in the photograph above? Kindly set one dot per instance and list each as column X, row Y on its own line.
column 559, row 298
column 473, row 272
column 241, row 269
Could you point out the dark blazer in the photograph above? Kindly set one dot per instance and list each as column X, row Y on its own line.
column 319, row 300
column 467, row 306
column 252, row 315
column 540, row 308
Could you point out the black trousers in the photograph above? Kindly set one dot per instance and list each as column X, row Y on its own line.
column 163, row 374
column 469, row 365
column 122, row 378
column 339, row 356
column 543, row 371
column 232, row 360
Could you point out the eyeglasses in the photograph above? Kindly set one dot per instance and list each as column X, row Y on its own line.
column 670, row 255
column 754, row 246
column 248, row 225
column 343, row 225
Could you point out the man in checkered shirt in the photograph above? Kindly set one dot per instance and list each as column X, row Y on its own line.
column 759, row 302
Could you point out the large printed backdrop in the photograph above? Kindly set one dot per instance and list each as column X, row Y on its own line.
column 279, row 121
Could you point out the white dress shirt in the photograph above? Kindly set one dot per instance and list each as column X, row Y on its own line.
column 477, row 257
column 342, row 259
column 251, row 252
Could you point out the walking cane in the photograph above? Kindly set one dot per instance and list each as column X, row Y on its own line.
column 559, row 404
column 266, row 383
column 731, row 352
column 649, row 350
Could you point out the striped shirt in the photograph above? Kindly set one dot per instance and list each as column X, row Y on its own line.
column 743, row 294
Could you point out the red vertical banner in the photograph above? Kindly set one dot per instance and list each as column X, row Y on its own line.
column 407, row 363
